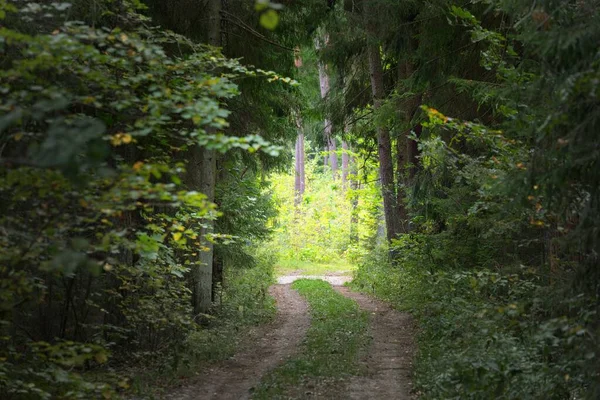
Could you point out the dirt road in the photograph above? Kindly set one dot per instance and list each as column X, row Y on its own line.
column 262, row 351
column 387, row 361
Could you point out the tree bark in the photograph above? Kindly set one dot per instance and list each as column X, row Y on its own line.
column 411, row 108
column 299, row 182
column 384, row 146
column 401, row 182
column 204, row 179
column 332, row 148
column 302, row 165
column 330, row 144
column 412, row 154
column 406, row 149
column 354, row 185
column 345, row 164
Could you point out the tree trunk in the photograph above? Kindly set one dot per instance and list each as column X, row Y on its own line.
column 412, row 154
column 332, row 148
column 401, row 184
column 412, row 106
column 354, row 185
column 297, row 172
column 302, row 165
column 345, row 164
column 205, row 181
column 386, row 168
column 330, row 144
column 299, row 183
column 406, row 149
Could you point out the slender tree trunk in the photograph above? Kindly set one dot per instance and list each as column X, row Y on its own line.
column 333, row 159
column 297, row 172
column 411, row 108
column 354, row 185
column 386, row 168
column 412, row 154
column 345, row 164
column 205, row 181
column 299, row 183
column 405, row 147
column 330, row 144
column 401, row 184
column 302, row 165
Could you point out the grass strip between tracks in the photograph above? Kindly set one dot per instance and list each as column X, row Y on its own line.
column 331, row 350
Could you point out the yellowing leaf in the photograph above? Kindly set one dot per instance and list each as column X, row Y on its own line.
column 269, row 19
column 101, row 358
column 138, row 165
column 261, row 5
column 177, row 236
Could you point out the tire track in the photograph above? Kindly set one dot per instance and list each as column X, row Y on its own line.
column 388, row 361
column 262, row 351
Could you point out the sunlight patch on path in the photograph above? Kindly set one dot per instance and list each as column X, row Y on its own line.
column 334, row 280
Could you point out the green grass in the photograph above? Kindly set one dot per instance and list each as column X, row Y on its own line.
column 286, row 267
column 338, row 331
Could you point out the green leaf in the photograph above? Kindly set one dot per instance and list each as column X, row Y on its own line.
column 269, row 19
column 261, row 5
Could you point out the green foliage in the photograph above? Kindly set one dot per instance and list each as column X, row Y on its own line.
column 499, row 267
column 330, row 223
column 243, row 302
column 485, row 333
column 286, row 267
column 337, row 333
column 97, row 231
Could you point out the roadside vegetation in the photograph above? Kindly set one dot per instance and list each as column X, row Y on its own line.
column 161, row 161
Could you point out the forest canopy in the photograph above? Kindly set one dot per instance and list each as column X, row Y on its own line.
column 447, row 152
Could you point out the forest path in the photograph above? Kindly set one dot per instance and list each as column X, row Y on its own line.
column 388, row 360
column 263, row 349
column 386, row 363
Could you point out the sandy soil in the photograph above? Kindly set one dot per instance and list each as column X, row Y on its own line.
column 334, row 280
column 263, row 350
column 388, row 361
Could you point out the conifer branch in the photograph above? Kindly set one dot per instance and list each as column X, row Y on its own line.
column 242, row 25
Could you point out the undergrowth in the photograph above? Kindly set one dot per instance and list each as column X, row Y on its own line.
column 485, row 333
column 244, row 302
column 331, row 349
column 340, row 266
